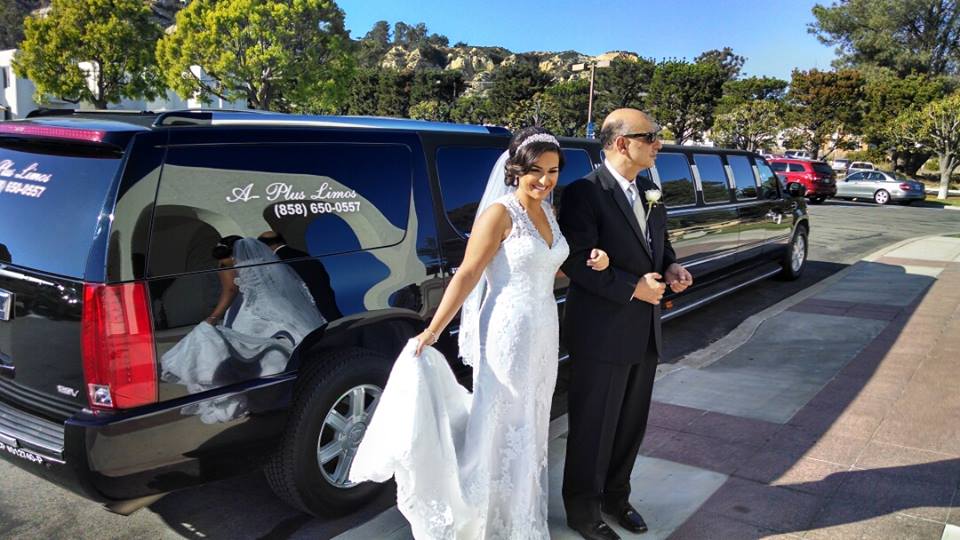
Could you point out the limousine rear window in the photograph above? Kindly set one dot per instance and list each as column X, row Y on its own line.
column 676, row 181
column 463, row 173
column 52, row 196
column 322, row 198
column 713, row 178
column 743, row 177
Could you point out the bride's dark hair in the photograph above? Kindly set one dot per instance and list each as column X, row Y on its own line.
column 522, row 160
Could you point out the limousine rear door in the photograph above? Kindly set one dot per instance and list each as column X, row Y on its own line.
column 757, row 215
column 776, row 206
column 703, row 225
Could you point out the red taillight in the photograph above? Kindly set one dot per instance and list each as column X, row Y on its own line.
column 89, row 135
column 905, row 186
column 119, row 362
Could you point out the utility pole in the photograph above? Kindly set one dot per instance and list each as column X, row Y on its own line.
column 593, row 69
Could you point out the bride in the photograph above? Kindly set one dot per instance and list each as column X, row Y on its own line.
column 475, row 466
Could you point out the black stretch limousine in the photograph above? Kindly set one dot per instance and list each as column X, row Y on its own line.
column 137, row 354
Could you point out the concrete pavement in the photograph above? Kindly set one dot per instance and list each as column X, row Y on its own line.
column 834, row 414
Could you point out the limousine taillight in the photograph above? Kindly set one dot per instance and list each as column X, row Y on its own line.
column 119, row 360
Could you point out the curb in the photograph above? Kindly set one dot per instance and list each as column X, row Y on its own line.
column 742, row 333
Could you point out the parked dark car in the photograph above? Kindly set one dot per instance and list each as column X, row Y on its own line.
column 817, row 177
column 120, row 234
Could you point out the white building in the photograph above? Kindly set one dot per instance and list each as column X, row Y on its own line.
column 17, row 95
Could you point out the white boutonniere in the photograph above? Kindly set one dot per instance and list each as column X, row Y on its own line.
column 653, row 198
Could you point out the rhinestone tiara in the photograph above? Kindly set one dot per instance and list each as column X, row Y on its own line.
column 539, row 137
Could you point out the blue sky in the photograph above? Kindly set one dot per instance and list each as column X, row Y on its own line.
column 771, row 34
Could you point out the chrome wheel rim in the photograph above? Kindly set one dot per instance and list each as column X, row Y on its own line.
column 881, row 197
column 799, row 253
column 343, row 429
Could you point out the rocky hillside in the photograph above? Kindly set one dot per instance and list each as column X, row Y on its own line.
column 478, row 63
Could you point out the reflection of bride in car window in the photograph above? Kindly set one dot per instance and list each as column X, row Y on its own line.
column 266, row 309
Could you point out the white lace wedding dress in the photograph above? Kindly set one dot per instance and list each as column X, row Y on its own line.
column 475, row 467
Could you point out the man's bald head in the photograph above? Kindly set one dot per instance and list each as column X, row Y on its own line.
column 623, row 121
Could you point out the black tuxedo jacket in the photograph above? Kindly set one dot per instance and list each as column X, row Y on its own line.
column 315, row 275
column 602, row 322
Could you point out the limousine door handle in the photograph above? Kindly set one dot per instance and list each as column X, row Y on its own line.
column 775, row 216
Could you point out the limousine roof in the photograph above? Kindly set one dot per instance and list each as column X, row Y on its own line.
column 121, row 120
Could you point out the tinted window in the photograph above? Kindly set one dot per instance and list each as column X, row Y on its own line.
column 877, row 176
column 51, row 198
column 822, row 168
column 743, row 177
column 769, row 181
column 779, row 166
column 855, row 177
column 464, row 172
column 713, row 178
column 576, row 165
column 795, row 167
column 675, row 180
column 322, row 198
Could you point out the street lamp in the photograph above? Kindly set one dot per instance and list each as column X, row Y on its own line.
column 593, row 68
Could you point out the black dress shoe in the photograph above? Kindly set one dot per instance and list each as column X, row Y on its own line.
column 630, row 519
column 597, row 530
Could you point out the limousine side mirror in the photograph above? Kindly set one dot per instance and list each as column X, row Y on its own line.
column 796, row 189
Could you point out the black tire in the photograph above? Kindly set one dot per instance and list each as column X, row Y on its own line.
column 792, row 267
column 881, row 197
column 294, row 471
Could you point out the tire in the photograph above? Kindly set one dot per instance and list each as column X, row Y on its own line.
column 294, row 471
column 817, row 200
column 795, row 257
column 881, row 197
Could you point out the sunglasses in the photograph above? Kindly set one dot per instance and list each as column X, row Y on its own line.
column 648, row 137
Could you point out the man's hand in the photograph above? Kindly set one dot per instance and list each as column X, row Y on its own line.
column 648, row 289
column 678, row 278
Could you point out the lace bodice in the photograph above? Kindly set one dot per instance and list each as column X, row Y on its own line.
column 525, row 262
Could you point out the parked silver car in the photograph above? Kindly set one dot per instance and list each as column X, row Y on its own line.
column 881, row 186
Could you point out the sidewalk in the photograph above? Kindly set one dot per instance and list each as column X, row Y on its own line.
column 837, row 416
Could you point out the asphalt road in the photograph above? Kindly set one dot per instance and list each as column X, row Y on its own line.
column 244, row 507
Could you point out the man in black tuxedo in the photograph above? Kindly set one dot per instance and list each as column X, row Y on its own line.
column 311, row 271
column 611, row 324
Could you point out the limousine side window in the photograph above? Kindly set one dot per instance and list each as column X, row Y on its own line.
column 321, row 198
column 743, row 177
column 676, row 182
column 463, row 174
column 713, row 178
column 769, row 181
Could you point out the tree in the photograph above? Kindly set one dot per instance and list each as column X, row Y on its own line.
column 283, row 55
column 374, row 44
column 473, row 109
column 433, row 110
column 683, row 96
column 436, row 85
column 730, row 63
column 364, row 96
column 539, row 110
column 907, row 36
column 12, row 14
column 752, row 125
column 886, row 96
column 624, row 83
column 825, row 105
column 512, row 84
column 936, row 127
column 393, row 93
column 738, row 92
column 570, row 100
column 116, row 37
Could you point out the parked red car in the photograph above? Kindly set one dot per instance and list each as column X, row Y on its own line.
column 817, row 177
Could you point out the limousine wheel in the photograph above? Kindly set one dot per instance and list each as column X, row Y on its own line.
column 881, row 197
column 795, row 257
column 328, row 420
